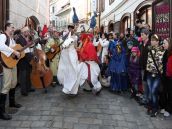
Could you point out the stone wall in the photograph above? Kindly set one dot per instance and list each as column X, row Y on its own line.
column 19, row 10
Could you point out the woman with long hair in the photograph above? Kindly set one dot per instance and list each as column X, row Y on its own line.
column 163, row 95
column 154, row 70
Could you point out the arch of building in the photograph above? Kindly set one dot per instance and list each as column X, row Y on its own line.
column 125, row 22
column 111, row 26
column 141, row 8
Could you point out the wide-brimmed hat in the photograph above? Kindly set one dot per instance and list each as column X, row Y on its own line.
column 71, row 26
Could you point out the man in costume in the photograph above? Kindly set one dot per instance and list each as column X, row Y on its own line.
column 67, row 73
column 9, row 75
column 50, row 46
column 24, row 66
column 87, row 54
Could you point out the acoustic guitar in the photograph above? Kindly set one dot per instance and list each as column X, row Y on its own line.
column 11, row 61
column 50, row 55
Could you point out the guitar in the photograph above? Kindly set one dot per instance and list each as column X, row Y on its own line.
column 11, row 61
column 51, row 55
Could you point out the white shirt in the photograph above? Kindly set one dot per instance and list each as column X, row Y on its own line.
column 105, row 44
column 95, row 43
column 7, row 50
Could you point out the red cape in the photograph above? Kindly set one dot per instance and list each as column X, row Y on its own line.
column 88, row 52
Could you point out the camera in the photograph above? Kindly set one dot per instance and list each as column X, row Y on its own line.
column 140, row 21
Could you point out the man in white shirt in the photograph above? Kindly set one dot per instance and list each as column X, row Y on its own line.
column 9, row 75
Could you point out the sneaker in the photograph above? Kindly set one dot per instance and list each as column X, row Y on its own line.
column 166, row 114
column 162, row 111
column 153, row 114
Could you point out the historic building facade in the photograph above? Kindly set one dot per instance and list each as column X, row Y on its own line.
column 34, row 13
column 118, row 15
column 61, row 11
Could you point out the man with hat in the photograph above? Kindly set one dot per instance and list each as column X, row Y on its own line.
column 49, row 47
column 24, row 66
column 139, row 27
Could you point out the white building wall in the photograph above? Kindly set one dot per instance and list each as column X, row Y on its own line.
column 117, row 9
column 21, row 9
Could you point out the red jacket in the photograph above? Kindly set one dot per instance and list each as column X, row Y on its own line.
column 169, row 67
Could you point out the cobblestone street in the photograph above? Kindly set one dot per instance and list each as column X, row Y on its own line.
column 55, row 110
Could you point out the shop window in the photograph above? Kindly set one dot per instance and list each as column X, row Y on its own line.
column 146, row 15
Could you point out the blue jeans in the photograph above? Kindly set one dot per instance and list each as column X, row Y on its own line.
column 145, row 87
column 153, row 84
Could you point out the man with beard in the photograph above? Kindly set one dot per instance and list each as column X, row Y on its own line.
column 50, row 46
column 24, row 66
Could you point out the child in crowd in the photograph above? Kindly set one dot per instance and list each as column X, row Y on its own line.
column 104, row 79
column 134, row 71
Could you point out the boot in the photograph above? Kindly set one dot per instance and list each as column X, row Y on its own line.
column 12, row 102
column 3, row 114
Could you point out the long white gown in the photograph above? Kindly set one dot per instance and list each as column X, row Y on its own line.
column 71, row 74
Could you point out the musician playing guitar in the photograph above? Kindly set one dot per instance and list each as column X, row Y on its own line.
column 24, row 66
column 52, row 49
column 9, row 75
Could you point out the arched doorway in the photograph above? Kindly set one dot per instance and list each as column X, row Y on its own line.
column 144, row 12
column 125, row 22
column 117, row 26
column 110, row 26
column 32, row 22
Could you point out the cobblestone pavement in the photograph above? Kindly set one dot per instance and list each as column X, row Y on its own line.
column 55, row 110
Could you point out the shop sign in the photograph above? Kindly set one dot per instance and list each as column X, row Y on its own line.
column 162, row 20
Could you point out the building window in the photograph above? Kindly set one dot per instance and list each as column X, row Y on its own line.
column 53, row 22
column 102, row 5
column 53, row 9
column 111, row 1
